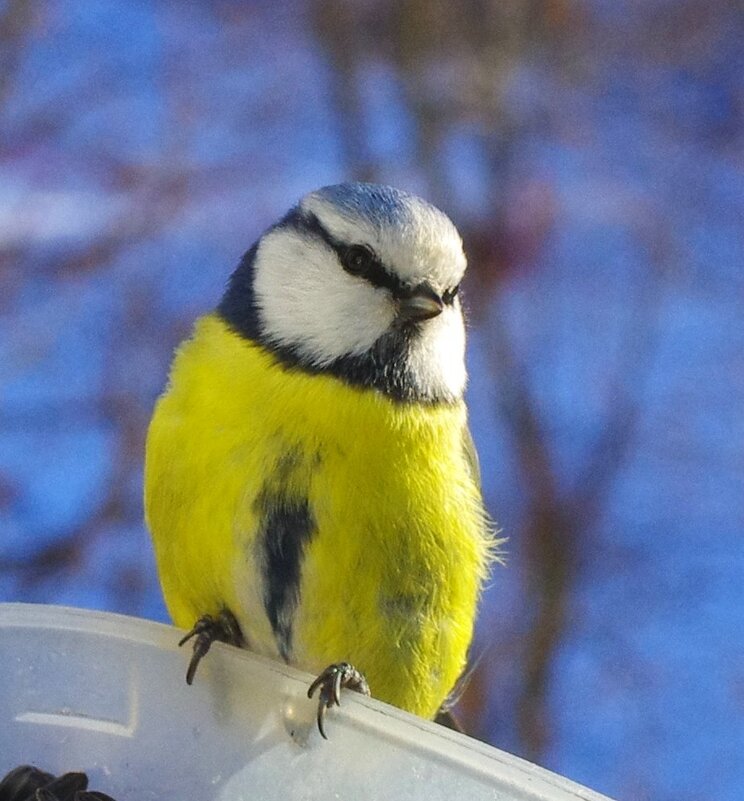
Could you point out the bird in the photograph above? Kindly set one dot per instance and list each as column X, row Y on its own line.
column 311, row 485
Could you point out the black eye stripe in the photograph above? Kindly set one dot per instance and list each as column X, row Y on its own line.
column 362, row 262
column 308, row 224
column 374, row 272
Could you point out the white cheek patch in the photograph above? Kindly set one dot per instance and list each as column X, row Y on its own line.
column 436, row 359
column 308, row 303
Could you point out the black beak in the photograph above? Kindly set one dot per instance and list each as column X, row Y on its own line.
column 418, row 303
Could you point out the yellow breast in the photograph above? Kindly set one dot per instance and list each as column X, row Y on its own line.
column 375, row 498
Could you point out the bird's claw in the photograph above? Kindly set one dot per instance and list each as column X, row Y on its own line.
column 330, row 682
column 206, row 630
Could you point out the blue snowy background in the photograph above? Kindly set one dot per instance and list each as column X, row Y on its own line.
column 591, row 154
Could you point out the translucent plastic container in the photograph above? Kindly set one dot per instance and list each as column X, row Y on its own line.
column 106, row 694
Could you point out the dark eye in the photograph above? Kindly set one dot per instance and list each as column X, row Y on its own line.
column 358, row 259
column 449, row 295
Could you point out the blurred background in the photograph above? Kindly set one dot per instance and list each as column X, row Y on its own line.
column 590, row 152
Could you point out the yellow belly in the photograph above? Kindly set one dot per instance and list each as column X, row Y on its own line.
column 390, row 573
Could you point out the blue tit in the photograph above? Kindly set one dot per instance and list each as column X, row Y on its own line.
column 311, row 485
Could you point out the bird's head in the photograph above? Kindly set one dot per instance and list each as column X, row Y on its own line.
column 359, row 281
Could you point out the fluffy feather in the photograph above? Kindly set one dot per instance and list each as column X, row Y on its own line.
column 391, row 577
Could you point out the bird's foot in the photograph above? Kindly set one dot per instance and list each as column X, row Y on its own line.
column 209, row 629
column 330, row 682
